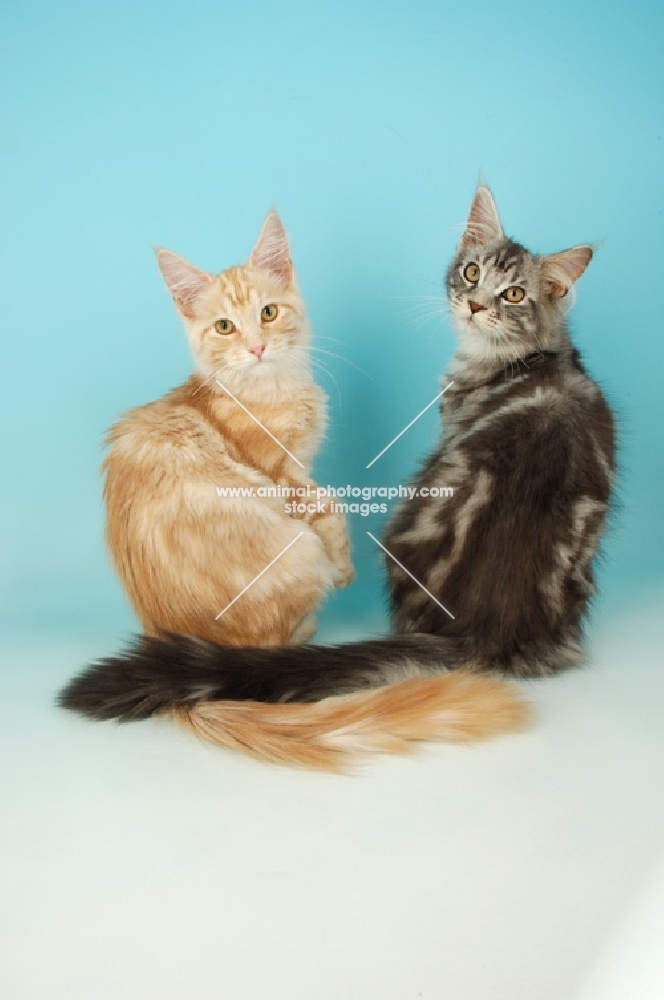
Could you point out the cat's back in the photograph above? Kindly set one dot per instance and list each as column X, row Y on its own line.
column 548, row 392
column 156, row 444
column 545, row 420
column 587, row 419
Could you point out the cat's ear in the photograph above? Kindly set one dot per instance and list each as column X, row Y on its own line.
column 483, row 225
column 561, row 270
column 184, row 281
column 272, row 252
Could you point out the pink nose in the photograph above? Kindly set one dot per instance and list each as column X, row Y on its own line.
column 258, row 350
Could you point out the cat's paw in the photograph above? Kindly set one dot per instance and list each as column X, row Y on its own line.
column 332, row 532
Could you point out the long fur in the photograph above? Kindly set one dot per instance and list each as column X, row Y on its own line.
column 528, row 450
column 183, row 548
column 265, row 702
column 331, row 734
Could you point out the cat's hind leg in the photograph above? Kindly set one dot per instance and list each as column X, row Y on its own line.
column 304, row 631
column 242, row 575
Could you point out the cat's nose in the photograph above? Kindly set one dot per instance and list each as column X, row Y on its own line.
column 475, row 307
column 258, row 350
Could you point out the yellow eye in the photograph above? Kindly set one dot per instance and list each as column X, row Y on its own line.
column 514, row 293
column 472, row 273
column 268, row 313
column 224, row 326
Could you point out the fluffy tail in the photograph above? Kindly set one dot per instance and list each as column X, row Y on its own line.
column 334, row 702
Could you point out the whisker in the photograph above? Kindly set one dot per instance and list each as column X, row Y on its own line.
column 321, row 350
column 335, row 340
column 319, row 366
column 214, row 375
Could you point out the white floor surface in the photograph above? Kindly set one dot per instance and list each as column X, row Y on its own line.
column 137, row 863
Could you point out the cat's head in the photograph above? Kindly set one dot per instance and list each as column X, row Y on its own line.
column 247, row 325
column 507, row 302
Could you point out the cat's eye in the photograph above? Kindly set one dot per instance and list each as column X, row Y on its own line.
column 269, row 312
column 224, row 326
column 515, row 293
column 471, row 273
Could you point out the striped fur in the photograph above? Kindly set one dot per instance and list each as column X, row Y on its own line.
column 182, row 552
column 528, row 445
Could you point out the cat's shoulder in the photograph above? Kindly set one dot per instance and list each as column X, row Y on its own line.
column 172, row 421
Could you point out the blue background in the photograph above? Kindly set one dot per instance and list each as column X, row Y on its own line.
column 366, row 125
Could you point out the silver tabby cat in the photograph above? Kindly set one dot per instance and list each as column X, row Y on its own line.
column 528, row 447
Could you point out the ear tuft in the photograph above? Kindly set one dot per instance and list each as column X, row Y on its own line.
column 272, row 252
column 184, row 281
column 483, row 225
column 561, row 270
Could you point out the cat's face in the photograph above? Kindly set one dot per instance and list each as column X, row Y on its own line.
column 494, row 294
column 505, row 302
column 247, row 325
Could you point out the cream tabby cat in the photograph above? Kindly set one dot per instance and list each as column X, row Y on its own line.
column 182, row 552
